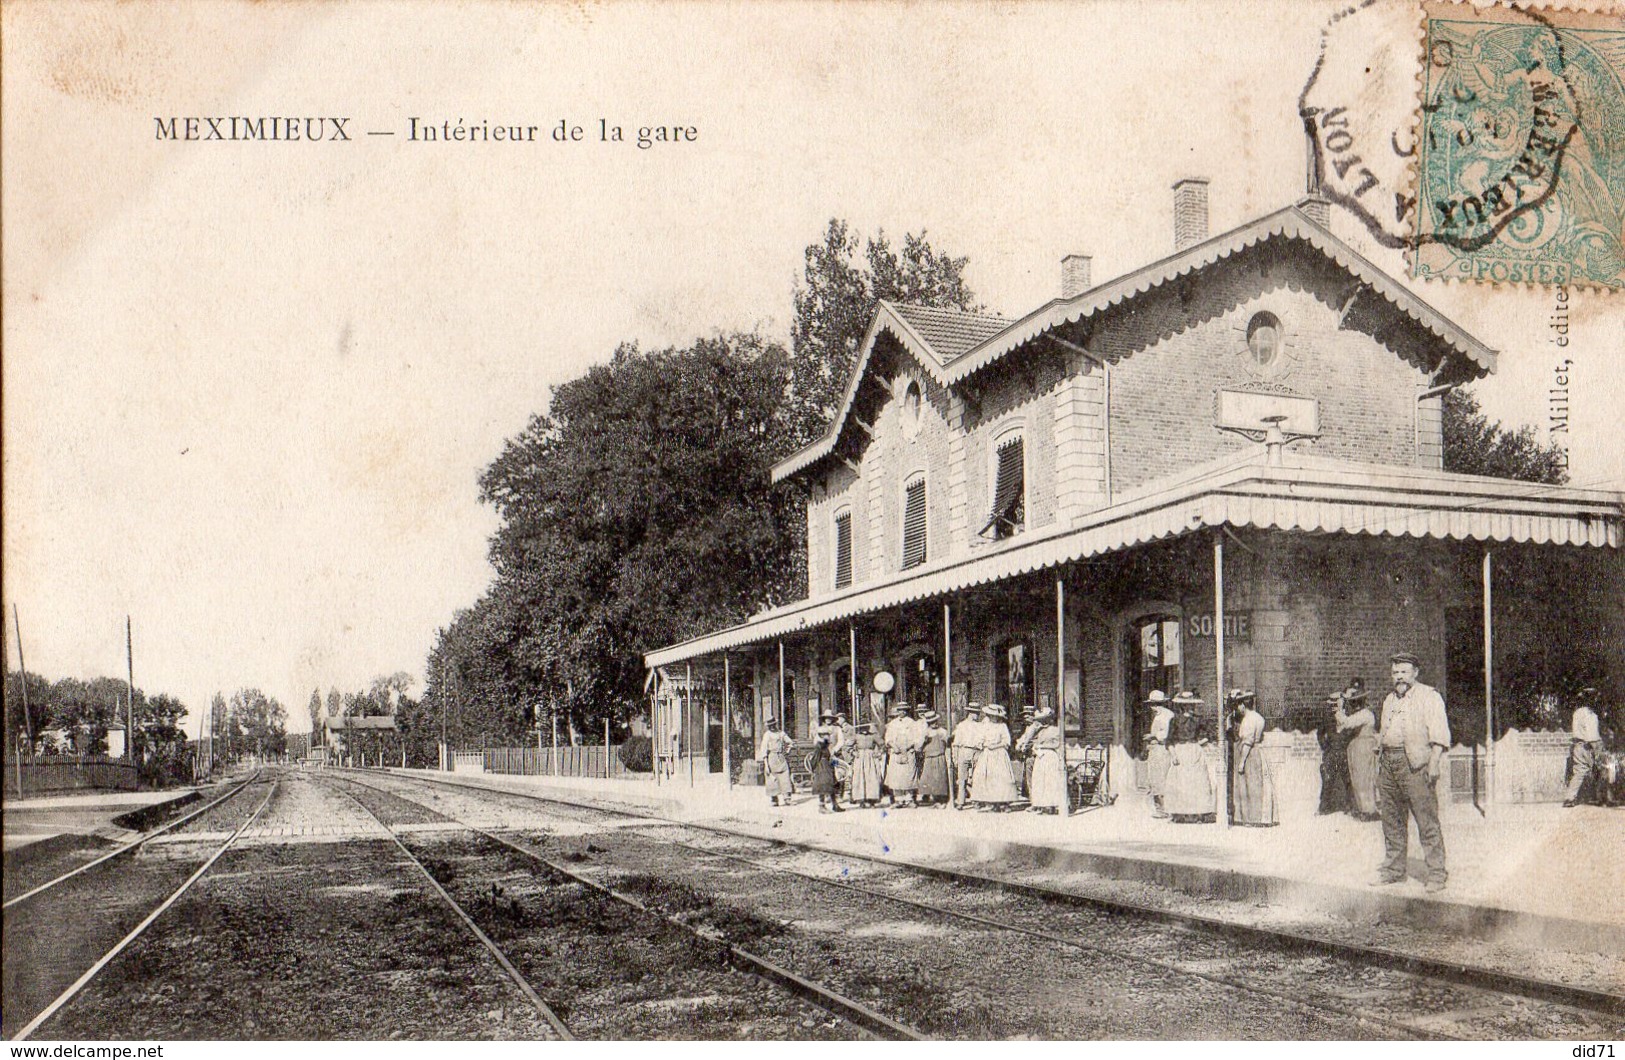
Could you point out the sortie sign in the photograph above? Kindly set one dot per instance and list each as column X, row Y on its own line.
column 1238, row 625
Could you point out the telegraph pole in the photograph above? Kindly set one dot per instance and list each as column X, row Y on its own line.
column 129, row 659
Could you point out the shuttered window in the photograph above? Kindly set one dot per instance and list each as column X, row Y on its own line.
column 914, row 523
column 1009, row 491
column 843, row 550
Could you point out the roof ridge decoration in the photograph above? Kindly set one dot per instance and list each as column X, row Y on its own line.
column 1288, row 222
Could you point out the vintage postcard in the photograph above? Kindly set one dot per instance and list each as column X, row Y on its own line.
column 812, row 521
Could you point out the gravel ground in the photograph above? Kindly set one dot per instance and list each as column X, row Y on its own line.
column 341, row 940
column 949, row 979
column 53, row 937
column 28, row 867
column 609, row 971
column 1384, row 995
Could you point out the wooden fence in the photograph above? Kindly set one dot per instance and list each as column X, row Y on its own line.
column 50, row 774
column 563, row 761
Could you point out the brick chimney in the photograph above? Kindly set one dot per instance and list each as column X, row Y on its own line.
column 1074, row 275
column 1190, row 212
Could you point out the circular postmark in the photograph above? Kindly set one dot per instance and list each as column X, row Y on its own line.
column 1491, row 147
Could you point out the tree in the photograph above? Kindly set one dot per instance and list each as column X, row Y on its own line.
column 1476, row 445
column 642, row 472
column 40, row 698
column 255, row 723
column 836, row 301
column 314, row 709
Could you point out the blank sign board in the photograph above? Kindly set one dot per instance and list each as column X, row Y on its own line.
column 1247, row 410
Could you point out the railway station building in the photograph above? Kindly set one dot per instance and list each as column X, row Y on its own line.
column 1222, row 470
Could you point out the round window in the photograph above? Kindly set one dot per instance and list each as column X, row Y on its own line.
column 1264, row 338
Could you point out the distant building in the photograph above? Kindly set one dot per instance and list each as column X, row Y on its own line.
column 1261, row 407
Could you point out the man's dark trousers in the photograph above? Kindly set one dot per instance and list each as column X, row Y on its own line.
column 1403, row 792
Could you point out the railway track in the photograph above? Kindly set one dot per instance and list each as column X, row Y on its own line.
column 1459, row 1000
column 135, row 844
column 22, row 998
column 850, row 1010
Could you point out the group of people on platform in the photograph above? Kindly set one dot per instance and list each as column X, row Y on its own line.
column 916, row 762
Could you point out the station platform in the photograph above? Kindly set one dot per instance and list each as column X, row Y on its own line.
column 32, row 820
column 1536, row 876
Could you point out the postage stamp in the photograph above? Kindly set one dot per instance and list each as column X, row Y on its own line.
column 1486, row 141
column 1520, row 164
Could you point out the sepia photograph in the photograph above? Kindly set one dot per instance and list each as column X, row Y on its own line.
column 604, row 520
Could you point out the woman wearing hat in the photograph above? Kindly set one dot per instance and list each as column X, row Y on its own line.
column 993, row 784
column 775, row 758
column 1189, row 798
column 1047, row 793
column 826, row 742
column 1335, row 796
column 903, row 741
column 1156, row 750
column 1354, row 716
column 867, row 766
column 1250, row 782
column 933, row 779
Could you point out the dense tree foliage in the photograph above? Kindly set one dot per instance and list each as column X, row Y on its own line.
column 835, row 304
column 1474, row 444
column 70, row 716
column 638, row 509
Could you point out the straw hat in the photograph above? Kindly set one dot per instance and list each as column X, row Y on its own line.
column 928, row 715
column 1355, row 690
column 1157, row 696
column 993, row 710
column 1187, row 698
column 1045, row 714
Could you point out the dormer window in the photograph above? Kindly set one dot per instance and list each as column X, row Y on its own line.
column 1009, row 514
column 914, row 547
column 843, row 550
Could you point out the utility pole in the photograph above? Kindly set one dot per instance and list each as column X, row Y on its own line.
column 129, row 659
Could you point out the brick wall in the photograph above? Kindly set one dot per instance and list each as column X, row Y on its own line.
column 1180, row 346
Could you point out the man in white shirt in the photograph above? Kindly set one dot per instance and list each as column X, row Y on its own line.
column 1587, row 737
column 1413, row 735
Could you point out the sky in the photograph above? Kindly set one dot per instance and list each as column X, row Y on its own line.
column 249, row 387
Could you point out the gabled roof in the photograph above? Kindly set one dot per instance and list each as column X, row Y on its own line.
column 949, row 332
column 970, row 354
column 1300, row 493
column 933, row 336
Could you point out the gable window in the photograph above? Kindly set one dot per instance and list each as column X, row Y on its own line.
column 911, row 411
column 1264, row 338
column 914, row 551
column 1009, row 513
column 843, row 550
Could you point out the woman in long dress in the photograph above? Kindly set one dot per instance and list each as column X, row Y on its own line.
column 775, row 758
column 826, row 745
column 933, row 779
column 903, row 740
column 1048, row 791
column 1254, row 795
column 1335, row 796
column 867, row 766
column 1189, row 799
column 993, row 784
column 1355, row 717
column 1156, row 750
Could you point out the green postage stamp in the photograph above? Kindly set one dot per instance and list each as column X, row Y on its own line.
column 1520, row 146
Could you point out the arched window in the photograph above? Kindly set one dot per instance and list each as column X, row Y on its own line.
column 912, row 402
column 1264, row 338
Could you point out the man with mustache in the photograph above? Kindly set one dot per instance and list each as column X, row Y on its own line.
column 1413, row 736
